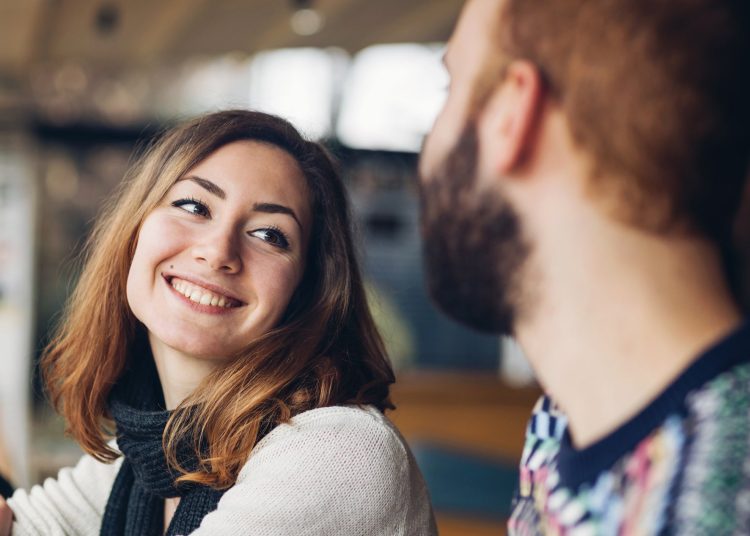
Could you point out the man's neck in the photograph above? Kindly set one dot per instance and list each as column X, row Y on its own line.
column 615, row 324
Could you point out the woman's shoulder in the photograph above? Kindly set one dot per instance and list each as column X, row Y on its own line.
column 331, row 470
column 364, row 416
column 336, row 422
column 333, row 434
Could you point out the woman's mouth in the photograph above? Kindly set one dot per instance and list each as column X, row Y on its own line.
column 200, row 295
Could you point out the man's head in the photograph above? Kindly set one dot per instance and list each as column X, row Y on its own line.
column 652, row 96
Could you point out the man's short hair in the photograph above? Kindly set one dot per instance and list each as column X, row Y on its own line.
column 656, row 91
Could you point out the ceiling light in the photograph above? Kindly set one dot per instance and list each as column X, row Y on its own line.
column 307, row 21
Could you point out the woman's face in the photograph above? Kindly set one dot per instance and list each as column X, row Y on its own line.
column 219, row 258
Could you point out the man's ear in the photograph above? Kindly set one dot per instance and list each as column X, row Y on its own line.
column 508, row 120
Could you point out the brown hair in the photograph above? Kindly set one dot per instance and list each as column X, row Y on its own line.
column 657, row 91
column 325, row 351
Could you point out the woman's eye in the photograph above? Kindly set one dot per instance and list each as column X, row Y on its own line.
column 273, row 236
column 192, row 206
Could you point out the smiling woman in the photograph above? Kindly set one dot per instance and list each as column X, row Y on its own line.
column 218, row 361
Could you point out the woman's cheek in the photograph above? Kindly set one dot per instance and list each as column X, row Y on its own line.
column 278, row 281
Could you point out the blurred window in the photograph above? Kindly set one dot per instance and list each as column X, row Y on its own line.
column 391, row 97
column 299, row 85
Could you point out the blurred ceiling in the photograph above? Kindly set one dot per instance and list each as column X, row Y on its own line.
column 113, row 34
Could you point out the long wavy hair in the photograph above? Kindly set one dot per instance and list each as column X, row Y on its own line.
column 325, row 351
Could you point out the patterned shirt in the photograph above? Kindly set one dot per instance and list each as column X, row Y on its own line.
column 681, row 466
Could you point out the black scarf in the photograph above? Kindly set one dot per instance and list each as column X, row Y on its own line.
column 6, row 488
column 136, row 503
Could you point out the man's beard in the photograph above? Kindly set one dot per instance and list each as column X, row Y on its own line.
column 473, row 247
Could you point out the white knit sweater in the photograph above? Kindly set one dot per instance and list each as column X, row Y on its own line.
column 329, row 471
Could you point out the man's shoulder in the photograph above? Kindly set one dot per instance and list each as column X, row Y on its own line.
column 714, row 471
column 728, row 392
column 717, row 417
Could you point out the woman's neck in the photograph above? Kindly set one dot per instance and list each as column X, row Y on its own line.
column 179, row 374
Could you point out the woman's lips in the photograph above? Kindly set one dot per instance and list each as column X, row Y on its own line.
column 201, row 298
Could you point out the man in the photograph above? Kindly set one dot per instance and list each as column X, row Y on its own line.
column 578, row 192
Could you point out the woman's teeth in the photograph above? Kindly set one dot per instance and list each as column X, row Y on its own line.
column 199, row 294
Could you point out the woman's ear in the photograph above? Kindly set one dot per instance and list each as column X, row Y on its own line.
column 508, row 120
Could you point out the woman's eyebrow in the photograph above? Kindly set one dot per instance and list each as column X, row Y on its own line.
column 207, row 185
column 268, row 208
column 274, row 208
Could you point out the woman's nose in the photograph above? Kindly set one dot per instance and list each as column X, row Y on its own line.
column 219, row 251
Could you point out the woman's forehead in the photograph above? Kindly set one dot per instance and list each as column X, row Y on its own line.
column 251, row 169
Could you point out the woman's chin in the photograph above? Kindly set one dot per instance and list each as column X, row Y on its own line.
column 205, row 352
column 197, row 348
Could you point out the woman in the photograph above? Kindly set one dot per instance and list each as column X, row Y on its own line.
column 220, row 321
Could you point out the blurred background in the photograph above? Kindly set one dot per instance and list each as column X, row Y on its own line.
column 85, row 82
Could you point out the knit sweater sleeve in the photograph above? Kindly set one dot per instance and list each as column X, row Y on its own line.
column 338, row 470
column 72, row 504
